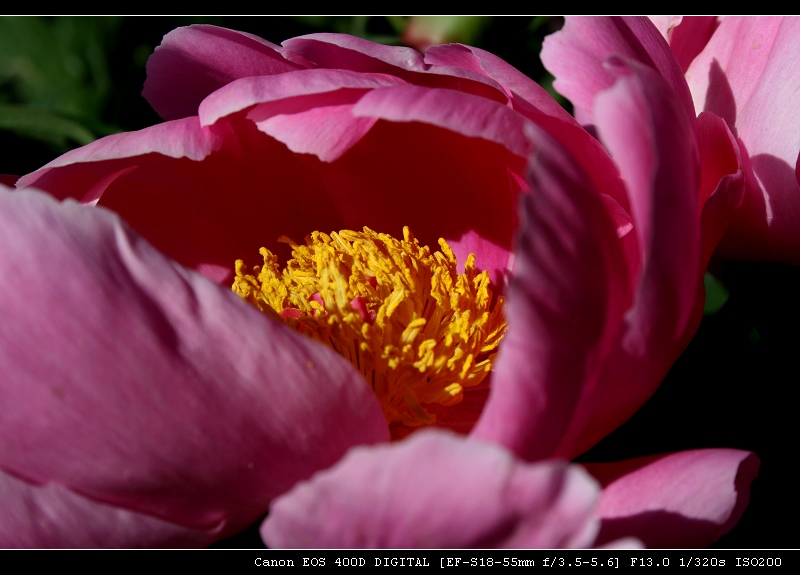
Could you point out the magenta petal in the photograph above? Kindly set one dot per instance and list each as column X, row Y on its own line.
column 746, row 75
column 724, row 76
column 534, row 103
column 687, row 35
column 52, row 516
column 524, row 93
column 657, row 152
column 565, row 304
column 290, row 92
column 194, row 61
column 177, row 139
column 655, row 146
column 722, row 182
column 436, row 490
column 455, row 111
column 326, row 131
column 575, row 55
column 204, row 214
column 343, row 52
column 159, row 391
column 685, row 499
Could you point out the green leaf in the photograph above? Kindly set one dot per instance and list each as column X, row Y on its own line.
column 57, row 63
column 716, row 294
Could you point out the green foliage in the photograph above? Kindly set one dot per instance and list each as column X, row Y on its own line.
column 54, row 78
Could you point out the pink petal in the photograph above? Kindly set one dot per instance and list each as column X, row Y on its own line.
column 290, row 92
column 687, row 35
column 343, row 52
column 250, row 189
column 565, row 304
column 685, row 499
column 722, row 182
column 746, row 76
column 525, row 94
column 177, row 139
column 657, row 152
column 533, row 102
column 436, row 490
column 159, row 392
column 724, row 76
column 52, row 516
column 194, row 61
column 575, row 56
column 455, row 111
column 654, row 144
column 666, row 24
column 325, row 131
column 204, row 214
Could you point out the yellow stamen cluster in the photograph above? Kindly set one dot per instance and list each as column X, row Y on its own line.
column 418, row 331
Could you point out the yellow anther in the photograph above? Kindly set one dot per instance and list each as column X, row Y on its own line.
column 417, row 331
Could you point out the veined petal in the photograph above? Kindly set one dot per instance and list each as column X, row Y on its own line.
column 52, row 516
column 160, row 392
column 565, row 304
column 685, row 499
column 192, row 62
column 436, row 490
column 575, row 55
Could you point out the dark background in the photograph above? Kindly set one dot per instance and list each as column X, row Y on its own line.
column 65, row 81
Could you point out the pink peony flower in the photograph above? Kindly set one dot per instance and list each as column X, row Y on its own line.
column 165, row 411
column 739, row 69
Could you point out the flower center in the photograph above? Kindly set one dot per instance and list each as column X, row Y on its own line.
column 417, row 331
